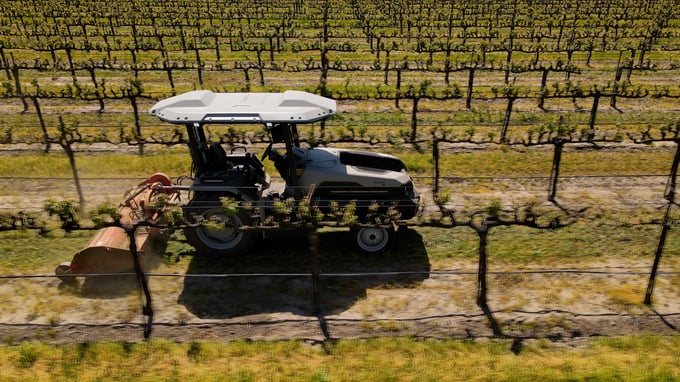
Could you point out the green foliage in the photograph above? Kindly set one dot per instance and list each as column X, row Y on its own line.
column 104, row 213
column 343, row 214
column 230, row 205
column 493, row 209
column 308, row 212
column 20, row 220
column 28, row 355
column 159, row 203
column 7, row 136
column 174, row 216
column 66, row 210
column 349, row 213
column 284, row 208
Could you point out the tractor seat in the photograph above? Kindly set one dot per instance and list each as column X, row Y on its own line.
column 218, row 157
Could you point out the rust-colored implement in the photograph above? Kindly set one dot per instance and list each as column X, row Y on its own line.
column 109, row 250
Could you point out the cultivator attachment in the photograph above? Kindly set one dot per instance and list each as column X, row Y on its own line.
column 109, row 250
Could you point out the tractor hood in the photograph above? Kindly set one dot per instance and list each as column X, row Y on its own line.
column 324, row 165
column 366, row 178
column 205, row 106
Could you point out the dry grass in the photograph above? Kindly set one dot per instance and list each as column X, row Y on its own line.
column 634, row 358
column 626, row 296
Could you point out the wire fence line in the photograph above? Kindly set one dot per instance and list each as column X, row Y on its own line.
column 450, row 177
column 636, row 182
column 348, row 274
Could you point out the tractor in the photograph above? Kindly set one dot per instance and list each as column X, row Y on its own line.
column 327, row 177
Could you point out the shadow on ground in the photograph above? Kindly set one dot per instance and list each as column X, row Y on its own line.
column 274, row 277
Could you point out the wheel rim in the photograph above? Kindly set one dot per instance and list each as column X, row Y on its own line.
column 372, row 239
column 224, row 237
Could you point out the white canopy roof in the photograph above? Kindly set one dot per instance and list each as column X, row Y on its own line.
column 205, row 106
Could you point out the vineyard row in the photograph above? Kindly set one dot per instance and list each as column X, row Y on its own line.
column 103, row 57
column 399, row 15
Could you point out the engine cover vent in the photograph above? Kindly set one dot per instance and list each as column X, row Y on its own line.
column 373, row 161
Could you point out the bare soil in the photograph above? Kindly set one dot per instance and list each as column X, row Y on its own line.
column 561, row 307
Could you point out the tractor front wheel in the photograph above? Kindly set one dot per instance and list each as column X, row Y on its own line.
column 217, row 231
column 371, row 240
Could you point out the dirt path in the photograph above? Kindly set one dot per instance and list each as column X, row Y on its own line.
column 563, row 308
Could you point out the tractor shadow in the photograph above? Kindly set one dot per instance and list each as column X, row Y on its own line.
column 274, row 277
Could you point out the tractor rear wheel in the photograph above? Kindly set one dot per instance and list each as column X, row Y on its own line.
column 218, row 233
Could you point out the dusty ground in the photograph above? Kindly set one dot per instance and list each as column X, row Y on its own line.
column 562, row 307
column 570, row 302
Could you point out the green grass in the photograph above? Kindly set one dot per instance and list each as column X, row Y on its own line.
column 26, row 252
column 633, row 358
column 514, row 162
column 515, row 246
column 503, row 161
column 56, row 165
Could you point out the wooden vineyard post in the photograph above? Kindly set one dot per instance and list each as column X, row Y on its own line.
column 593, row 111
column 482, row 230
column 483, row 233
column 312, row 237
column 397, row 97
column 471, row 81
column 41, row 119
column 666, row 224
column 555, row 171
column 315, row 262
column 323, row 51
column 147, row 309
column 544, row 81
column 68, row 136
column 414, row 118
column 435, row 164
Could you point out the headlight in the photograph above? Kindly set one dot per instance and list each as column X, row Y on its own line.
column 410, row 190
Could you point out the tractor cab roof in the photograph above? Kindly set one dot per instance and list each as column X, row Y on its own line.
column 205, row 106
